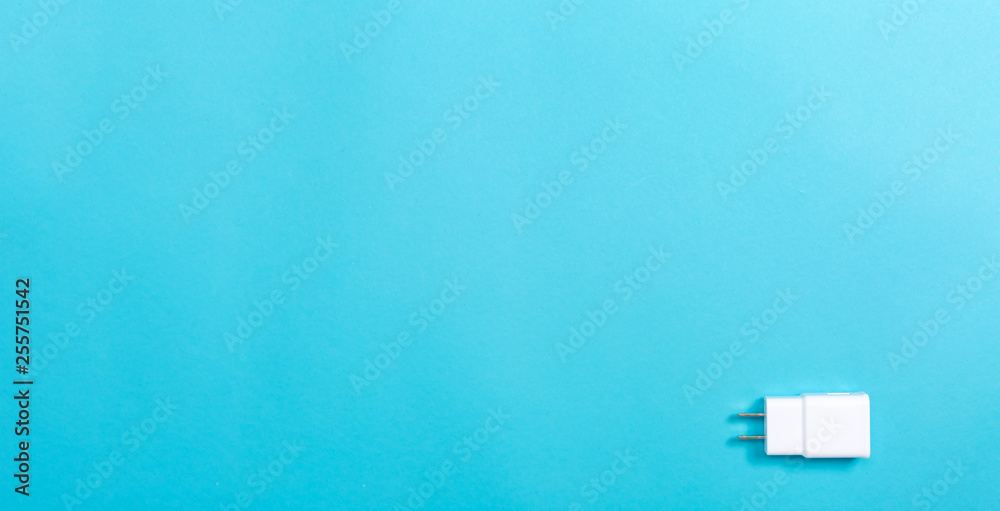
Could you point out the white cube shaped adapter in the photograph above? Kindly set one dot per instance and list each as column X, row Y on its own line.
column 833, row 425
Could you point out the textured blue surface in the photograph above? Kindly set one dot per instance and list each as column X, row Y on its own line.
column 354, row 265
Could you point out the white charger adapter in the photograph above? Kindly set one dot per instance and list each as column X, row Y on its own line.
column 832, row 425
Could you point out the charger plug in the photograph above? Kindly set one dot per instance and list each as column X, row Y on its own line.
column 833, row 425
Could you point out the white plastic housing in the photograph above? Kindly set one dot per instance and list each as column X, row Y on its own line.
column 834, row 425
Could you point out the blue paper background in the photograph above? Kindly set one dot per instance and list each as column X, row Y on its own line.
column 156, row 355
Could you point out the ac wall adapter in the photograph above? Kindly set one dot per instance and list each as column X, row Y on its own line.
column 832, row 425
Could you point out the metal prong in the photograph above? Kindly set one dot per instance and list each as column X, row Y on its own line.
column 751, row 414
column 744, row 437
